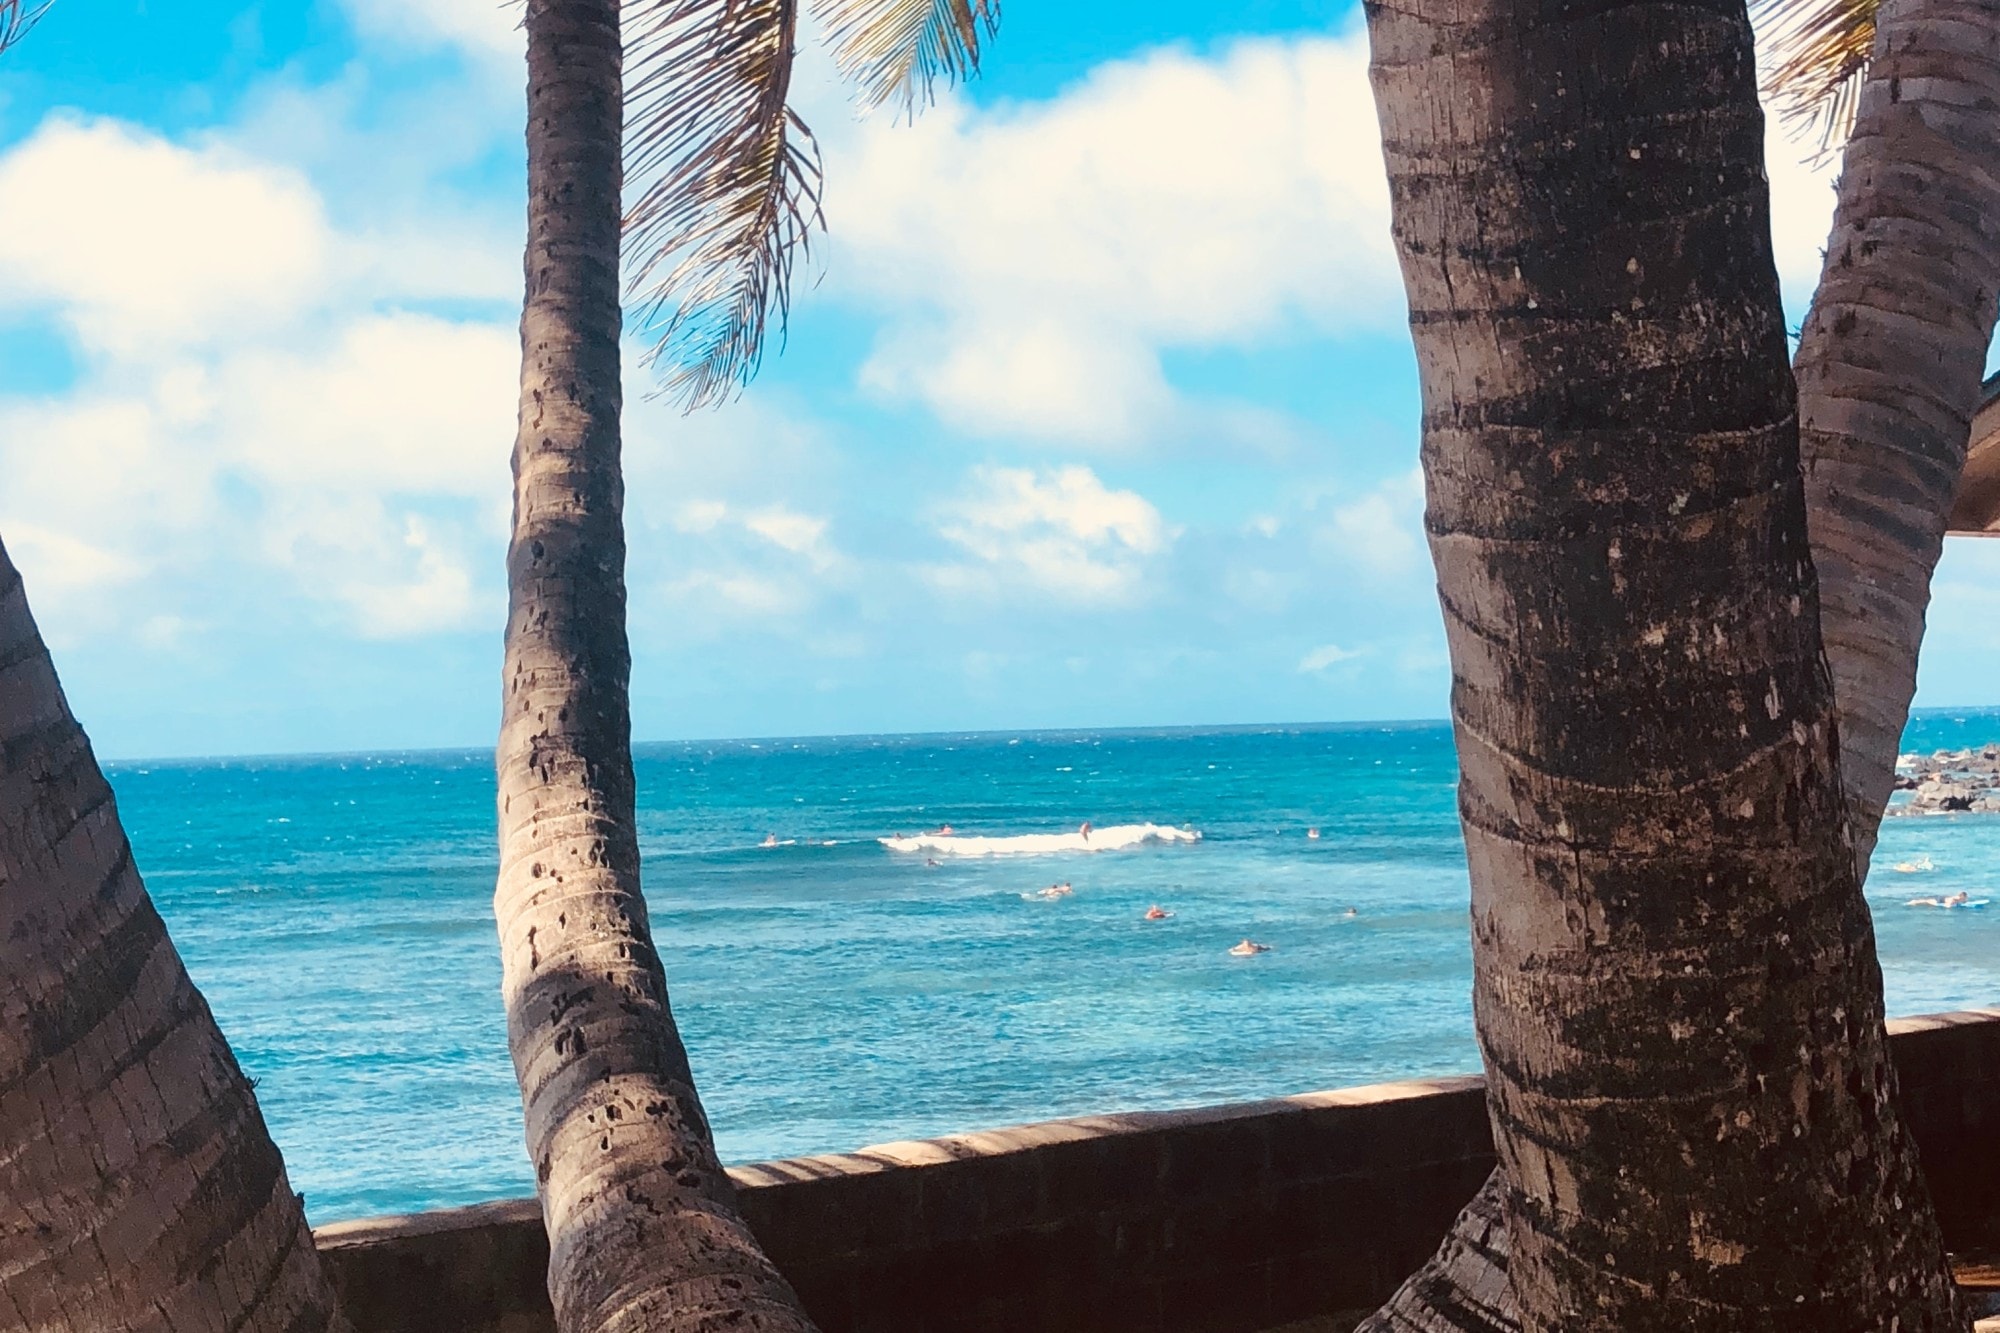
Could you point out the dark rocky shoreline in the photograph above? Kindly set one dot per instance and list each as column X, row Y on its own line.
column 1948, row 782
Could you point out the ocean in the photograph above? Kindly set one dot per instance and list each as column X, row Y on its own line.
column 835, row 990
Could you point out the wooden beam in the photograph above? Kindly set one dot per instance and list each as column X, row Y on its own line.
column 1976, row 512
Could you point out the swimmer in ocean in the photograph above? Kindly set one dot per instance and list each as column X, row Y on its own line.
column 1312, row 833
column 1157, row 913
column 1249, row 948
column 945, row 831
column 1351, row 912
column 1084, row 832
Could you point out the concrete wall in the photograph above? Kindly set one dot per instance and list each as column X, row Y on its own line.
column 1224, row 1220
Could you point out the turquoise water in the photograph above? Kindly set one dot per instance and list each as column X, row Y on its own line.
column 336, row 911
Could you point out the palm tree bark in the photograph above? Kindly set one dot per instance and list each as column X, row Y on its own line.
column 1890, row 360
column 1463, row 1288
column 139, row 1188
column 1889, row 372
column 642, row 1222
column 1675, row 982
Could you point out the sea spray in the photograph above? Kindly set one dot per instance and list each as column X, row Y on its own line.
column 1115, row 838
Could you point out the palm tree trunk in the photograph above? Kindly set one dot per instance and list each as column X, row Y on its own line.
column 1463, row 1287
column 1889, row 370
column 642, row 1221
column 139, row 1188
column 1890, row 360
column 1675, row 983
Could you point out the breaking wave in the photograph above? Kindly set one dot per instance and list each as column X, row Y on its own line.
column 1114, row 838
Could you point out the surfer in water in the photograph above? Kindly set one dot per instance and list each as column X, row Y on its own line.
column 1157, row 913
column 1959, row 899
column 1249, row 949
column 1084, row 832
column 770, row 840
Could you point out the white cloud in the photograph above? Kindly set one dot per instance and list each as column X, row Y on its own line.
column 371, row 496
column 1058, row 531
column 62, row 564
column 1035, row 259
column 485, row 30
column 804, row 535
column 245, row 400
column 1326, row 655
column 145, row 246
column 1382, row 532
column 701, row 515
column 397, row 403
column 763, row 564
column 1802, row 198
column 797, row 534
column 111, row 470
column 736, row 593
column 396, row 574
column 1037, row 377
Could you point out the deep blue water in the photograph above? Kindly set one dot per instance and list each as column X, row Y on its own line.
column 336, row 911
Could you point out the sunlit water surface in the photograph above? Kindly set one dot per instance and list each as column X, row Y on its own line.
column 833, row 992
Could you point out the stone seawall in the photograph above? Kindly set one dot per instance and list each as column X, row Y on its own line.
column 1223, row 1220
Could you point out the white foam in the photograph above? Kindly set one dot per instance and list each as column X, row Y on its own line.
column 1115, row 838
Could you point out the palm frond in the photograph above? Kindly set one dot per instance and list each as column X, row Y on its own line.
column 1818, row 58
column 15, row 20
column 896, row 50
column 732, row 185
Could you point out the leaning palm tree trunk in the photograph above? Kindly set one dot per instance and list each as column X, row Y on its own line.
column 138, row 1186
column 643, row 1228
column 1888, row 371
column 1675, row 982
column 1890, row 360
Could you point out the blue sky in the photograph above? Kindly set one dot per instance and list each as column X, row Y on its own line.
column 1097, row 409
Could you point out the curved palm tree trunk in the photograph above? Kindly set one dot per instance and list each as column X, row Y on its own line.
column 1889, row 369
column 1463, row 1287
column 642, row 1222
column 139, row 1188
column 1675, row 982
column 1890, row 360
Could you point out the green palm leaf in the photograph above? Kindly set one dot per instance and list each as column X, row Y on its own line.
column 730, row 174
column 1818, row 58
column 732, row 189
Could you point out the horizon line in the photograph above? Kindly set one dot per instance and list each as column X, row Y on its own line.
column 972, row 733
column 968, row 733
